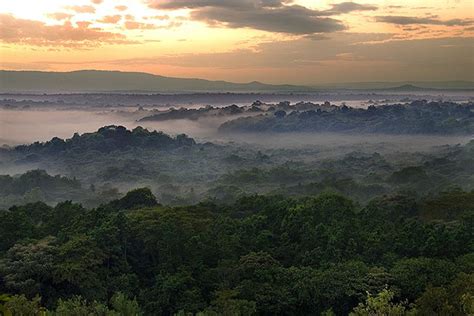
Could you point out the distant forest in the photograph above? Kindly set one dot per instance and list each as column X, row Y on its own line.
column 418, row 117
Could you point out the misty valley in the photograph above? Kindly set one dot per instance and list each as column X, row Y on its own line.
column 228, row 151
column 237, row 203
column 236, row 158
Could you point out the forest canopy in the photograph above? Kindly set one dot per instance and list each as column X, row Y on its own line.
column 417, row 117
column 258, row 256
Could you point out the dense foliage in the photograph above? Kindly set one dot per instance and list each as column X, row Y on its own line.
column 417, row 117
column 107, row 139
column 264, row 255
column 96, row 167
column 203, row 112
column 38, row 185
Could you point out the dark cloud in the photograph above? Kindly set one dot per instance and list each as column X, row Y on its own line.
column 286, row 19
column 316, row 37
column 407, row 20
column 266, row 15
column 36, row 33
column 229, row 4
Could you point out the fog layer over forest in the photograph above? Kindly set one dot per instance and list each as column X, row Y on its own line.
column 357, row 204
column 26, row 118
column 255, row 147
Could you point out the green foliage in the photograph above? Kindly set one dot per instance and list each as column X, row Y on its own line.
column 20, row 305
column 135, row 199
column 412, row 275
column 77, row 306
column 448, row 205
column 226, row 304
column 262, row 255
column 381, row 305
column 181, row 174
column 109, row 138
column 124, row 306
column 26, row 268
column 455, row 298
column 435, row 301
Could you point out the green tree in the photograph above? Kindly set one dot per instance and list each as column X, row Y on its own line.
column 22, row 306
column 134, row 199
column 79, row 267
column 77, row 306
column 382, row 305
column 435, row 301
column 226, row 303
column 124, row 306
column 27, row 268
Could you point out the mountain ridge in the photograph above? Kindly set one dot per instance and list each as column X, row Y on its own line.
column 90, row 80
column 105, row 81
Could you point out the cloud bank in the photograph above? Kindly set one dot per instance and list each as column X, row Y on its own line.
column 267, row 15
column 36, row 33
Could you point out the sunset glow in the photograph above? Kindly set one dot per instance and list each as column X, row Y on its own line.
column 274, row 41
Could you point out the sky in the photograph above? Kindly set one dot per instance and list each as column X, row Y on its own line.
column 273, row 41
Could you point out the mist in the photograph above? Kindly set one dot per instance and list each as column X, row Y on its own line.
column 28, row 126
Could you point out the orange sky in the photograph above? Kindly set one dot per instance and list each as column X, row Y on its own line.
column 274, row 41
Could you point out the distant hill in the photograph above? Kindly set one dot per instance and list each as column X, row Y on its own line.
column 403, row 85
column 408, row 87
column 117, row 81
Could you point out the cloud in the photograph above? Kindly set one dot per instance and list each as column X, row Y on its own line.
column 158, row 17
column 347, row 7
column 59, row 16
column 97, row 1
column 110, row 19
column 81, row 8
column 316, row 37
column 36, row 33
column 344, row 57
column 407, row 20
column 267, row 15
column 133, row 25
column 83, row 24
column 121, row 7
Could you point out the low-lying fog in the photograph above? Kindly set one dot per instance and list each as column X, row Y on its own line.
column 27, row 126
